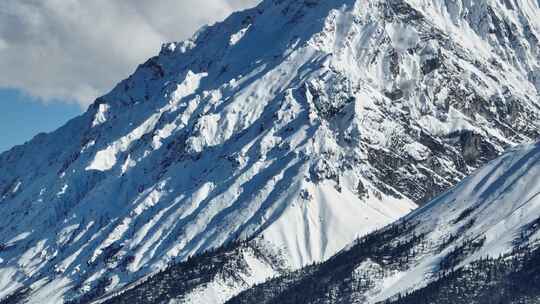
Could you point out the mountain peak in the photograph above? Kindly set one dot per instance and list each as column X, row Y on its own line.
column 304, row 123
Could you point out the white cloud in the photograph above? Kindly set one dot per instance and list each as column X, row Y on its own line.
column 77, row 50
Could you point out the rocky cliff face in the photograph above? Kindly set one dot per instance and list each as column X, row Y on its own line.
column 304, row 123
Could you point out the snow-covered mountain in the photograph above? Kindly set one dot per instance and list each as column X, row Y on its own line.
column 477, row 243
column 295, row 125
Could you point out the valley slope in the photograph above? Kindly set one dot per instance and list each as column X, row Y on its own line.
column 477, row 243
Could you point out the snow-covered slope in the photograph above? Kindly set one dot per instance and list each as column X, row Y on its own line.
column 304, row 123
column 491, row 217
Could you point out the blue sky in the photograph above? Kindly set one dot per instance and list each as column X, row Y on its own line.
column 22, row 117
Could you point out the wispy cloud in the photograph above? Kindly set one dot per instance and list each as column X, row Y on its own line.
column 75, row 50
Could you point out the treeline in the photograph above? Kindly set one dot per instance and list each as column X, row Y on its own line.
column 510, row 279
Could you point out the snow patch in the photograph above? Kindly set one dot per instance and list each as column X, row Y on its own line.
column 101, row 115
column 106, row 159
column 236, row 37
column 403, row 36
